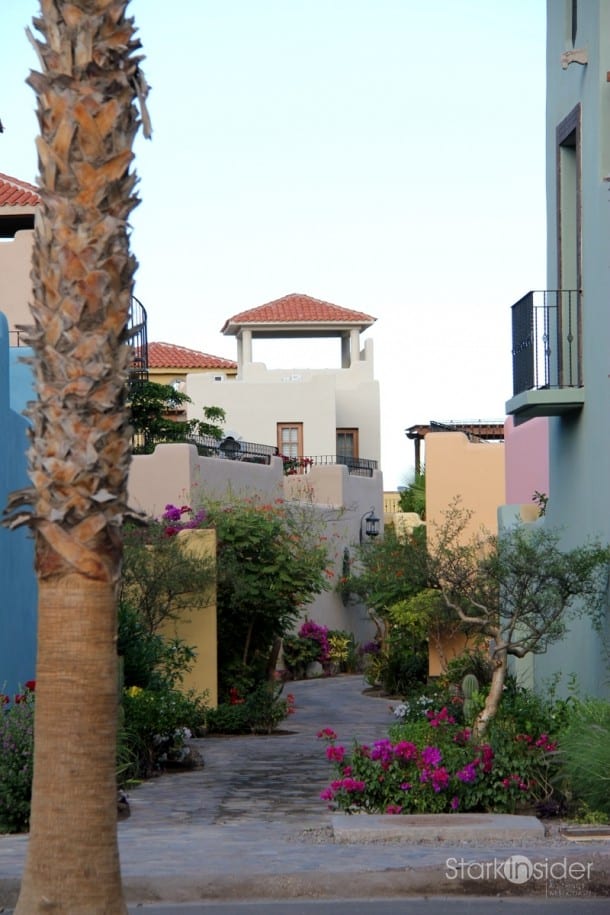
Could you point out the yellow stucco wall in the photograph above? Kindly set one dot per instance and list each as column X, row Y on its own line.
column 198, row 627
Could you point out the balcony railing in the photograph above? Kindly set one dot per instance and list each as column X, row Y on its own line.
column 357, row 466
column 138, row 337
column 207, row 446
column 253, row 453
column 233, row 449
column 547, row 341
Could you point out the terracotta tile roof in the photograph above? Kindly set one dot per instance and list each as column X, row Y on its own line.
column 170, row 356
column 298, row 309
column 16, row 193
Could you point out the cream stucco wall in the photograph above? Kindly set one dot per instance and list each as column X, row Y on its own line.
column 169, row 375
column 253, row 409
column 175, row 474
column 341, row 500
column 165, row 477
column 322, row 400
column 15, row 283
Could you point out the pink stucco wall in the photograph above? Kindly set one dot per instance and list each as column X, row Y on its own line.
column 526, row 449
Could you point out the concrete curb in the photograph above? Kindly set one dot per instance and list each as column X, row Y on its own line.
column 462, row 827
column 455, row 871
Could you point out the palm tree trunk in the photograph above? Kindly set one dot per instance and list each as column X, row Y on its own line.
column 82, row 275
column 73, row 861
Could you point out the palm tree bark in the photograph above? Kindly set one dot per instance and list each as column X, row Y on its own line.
column 82, row 275
column 73, row 863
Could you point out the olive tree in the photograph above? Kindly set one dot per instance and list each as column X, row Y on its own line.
column 519, row 589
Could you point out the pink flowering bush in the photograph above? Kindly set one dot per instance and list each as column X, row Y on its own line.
column 309, row 645
column 182, row 519
column 319, row 635
column 436, row 766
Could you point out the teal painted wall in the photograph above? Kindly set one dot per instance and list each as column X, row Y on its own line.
column 579, row 444
column 18, row 588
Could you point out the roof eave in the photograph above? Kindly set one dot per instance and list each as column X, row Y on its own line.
column 26, row 209
column 232, row 328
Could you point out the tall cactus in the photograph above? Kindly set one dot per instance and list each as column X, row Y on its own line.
column 470, row 686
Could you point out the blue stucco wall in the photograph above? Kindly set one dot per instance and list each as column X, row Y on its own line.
column 18, row 588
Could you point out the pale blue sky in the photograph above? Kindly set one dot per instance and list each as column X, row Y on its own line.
column 384, row 155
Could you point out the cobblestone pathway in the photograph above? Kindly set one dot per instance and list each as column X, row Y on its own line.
column 269, row 778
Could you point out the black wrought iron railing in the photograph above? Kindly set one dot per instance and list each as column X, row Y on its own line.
column 138, row 337
column 358, row 466
column 207, row 446
column 547, row 340
column 233, row 449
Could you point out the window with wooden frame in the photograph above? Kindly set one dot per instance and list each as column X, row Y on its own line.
column 347, row 444
column 290, row 439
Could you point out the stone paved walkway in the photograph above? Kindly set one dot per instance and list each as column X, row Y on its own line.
column 266, row 778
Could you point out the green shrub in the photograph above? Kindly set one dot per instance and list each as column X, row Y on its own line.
column 298, row 653
column 525, row 711
column 16, row 763
column 402, row 667
column 227, row 719
column 160, row 579
column 139, row 649
column 155, row 725
column 584, row 751
column 266, row 708
column 259, row 713
column 149, row 659
column 272, row 560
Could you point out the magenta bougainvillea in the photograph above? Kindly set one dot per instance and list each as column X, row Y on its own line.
column 443, row 770
column 319, row 634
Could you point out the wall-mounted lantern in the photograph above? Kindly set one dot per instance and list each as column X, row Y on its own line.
column 370, row 528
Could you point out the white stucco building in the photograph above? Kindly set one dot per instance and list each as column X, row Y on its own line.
column 330, row 413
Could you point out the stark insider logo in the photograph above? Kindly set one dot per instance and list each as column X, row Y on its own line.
column 517, row 869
